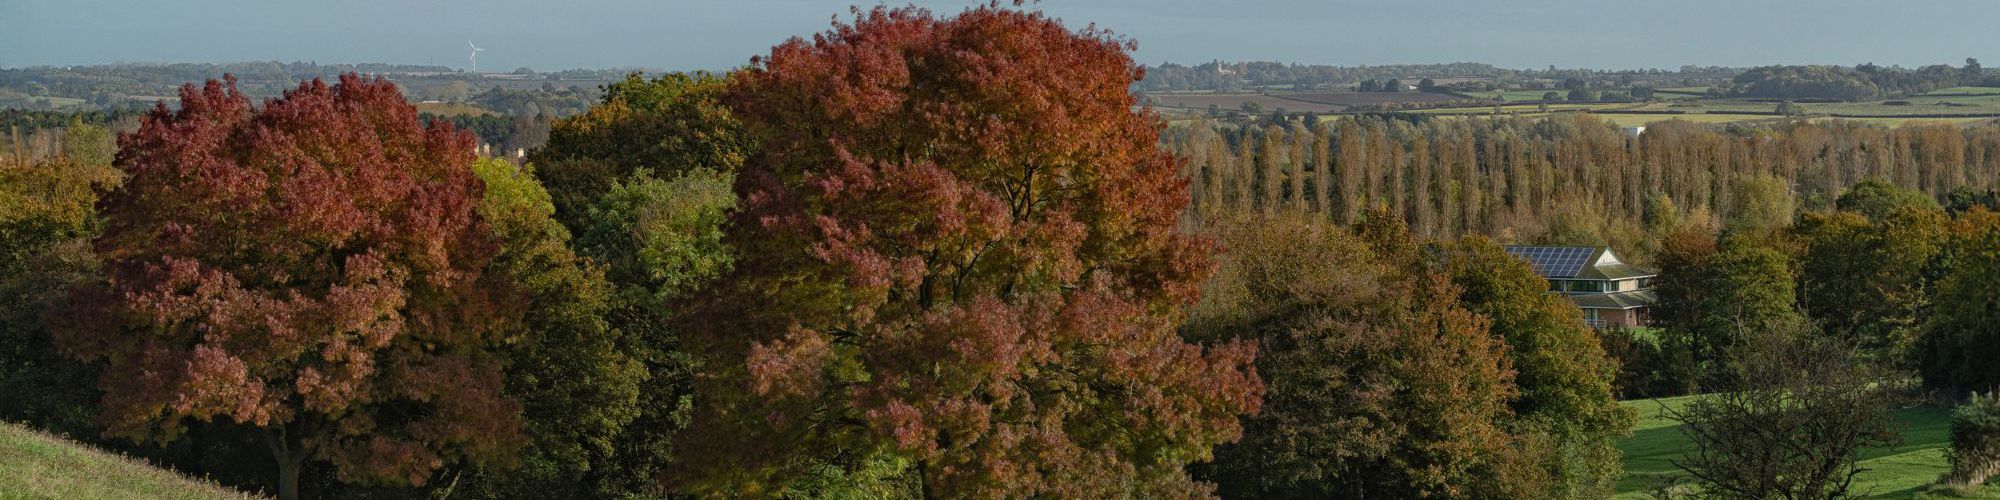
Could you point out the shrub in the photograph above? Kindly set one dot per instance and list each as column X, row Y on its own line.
column 1975, row 442
column 1795, row 423
column 1649, row 366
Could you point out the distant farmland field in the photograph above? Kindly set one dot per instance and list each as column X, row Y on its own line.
column 1234, row 102
column 1312, row 102
column 1967, row 90
column 1352, row 99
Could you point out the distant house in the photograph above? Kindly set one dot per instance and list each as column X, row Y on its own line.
column 1610, row 293
column 1635, row 131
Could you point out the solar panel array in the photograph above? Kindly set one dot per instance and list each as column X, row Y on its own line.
column 1554, row 262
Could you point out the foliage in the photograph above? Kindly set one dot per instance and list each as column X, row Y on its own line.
column 1562, row 374
column 1759, row 204
column 1849, row 84
column 1866, row 269
column 665, row 125
column 1574, row 176
column 660, row 241
column 658, row 238
column 663, row 236
column 312, row 268
column 1795, row 426
column 1975, row 442
column 1649, row 366
column 1711, row 293
column 46, row 220
column 577, row 378
column 1877, row 199
column 1380, row 383
column 957, row 246
column 1956, row 349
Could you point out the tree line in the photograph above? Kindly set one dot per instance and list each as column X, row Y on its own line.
column 1862, row 82
column 1569, row 179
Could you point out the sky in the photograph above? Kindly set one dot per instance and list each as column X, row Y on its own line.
column 721, row 34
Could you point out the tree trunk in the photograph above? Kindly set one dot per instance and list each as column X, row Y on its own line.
column 288, row 478
column 290, row 459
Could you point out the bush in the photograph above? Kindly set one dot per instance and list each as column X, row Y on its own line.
column 1975, row 442
column 1795, row 423
column 1649, row 366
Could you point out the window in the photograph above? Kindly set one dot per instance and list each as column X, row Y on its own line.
column 1586, row 286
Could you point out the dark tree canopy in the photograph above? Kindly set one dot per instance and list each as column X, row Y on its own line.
column 666, row 125
column 1381, row 383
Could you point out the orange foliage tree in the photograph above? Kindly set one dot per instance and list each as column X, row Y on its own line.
column 958, row 250
column 310, row 268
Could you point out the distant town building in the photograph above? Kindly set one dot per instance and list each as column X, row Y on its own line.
column 1610, row 293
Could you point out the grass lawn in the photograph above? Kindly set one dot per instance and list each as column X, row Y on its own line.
column 1903, row 471
column 37, row 465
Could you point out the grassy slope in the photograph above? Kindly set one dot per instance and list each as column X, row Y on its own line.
column 36, row 465
column 1902, row 471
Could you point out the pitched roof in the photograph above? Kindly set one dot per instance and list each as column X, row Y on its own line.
column 1585, row 263
column 1615, row 300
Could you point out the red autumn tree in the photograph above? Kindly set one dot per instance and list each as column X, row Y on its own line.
column 310, row 268
column 958, row 250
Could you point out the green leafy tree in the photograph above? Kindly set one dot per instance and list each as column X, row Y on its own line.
column 1563, row 376
column 660, row 241
column 1379, row 382
column 1759, row 204
column 1958, row 343
column 1877, row 199
column 665, row 125
column 643, row 180
column 1866, row 271
column 578, row 379
column 1710, row 295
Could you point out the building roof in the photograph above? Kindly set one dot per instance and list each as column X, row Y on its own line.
column 1615, row 300
column 1578, row 263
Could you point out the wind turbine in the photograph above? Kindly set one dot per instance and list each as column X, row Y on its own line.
column 474, row 57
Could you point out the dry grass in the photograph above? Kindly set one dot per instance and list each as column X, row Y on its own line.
column 37, row 465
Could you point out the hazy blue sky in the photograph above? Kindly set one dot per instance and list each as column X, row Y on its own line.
column 717, row 34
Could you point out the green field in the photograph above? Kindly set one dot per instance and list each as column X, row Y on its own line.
column 1968, row 90
column 1903, row 471
column 37, row 465
column 1634, row 120
column 1519, row 95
